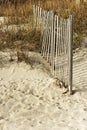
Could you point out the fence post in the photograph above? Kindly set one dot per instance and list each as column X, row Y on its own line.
column 70, row 52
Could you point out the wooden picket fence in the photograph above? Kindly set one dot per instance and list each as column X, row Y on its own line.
column 57, row 39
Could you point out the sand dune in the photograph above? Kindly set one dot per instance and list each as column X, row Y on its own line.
column 30, row 100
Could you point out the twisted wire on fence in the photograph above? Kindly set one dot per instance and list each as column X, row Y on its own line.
column 56, row 43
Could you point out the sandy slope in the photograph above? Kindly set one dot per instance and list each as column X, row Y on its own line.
column 30, row 100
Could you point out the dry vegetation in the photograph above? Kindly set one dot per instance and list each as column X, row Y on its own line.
column 23, row 14
column 29, row 40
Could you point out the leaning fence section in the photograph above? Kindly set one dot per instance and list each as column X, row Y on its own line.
column 56, row 43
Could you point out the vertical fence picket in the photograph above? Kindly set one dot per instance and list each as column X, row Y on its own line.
column 43, row 38
column 42, row 32
column 57, row 44
column 70, row 51
column 48, row 38
column 50, row 24
column 59, row 49
column 52, row 41
column 56, row 36
column 46, row 34
column 63, row 49
column 64, row 52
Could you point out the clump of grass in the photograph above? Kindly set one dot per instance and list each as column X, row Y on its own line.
column 22, row 55
column 77, row 41
column 21, row 42
column 22, row 39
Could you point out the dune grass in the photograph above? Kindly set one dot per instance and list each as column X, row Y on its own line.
column 29, row 40
column 23, row 12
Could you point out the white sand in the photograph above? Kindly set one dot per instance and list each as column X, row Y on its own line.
column 29, row 99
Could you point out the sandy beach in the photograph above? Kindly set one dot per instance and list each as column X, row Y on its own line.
column 31, row 100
